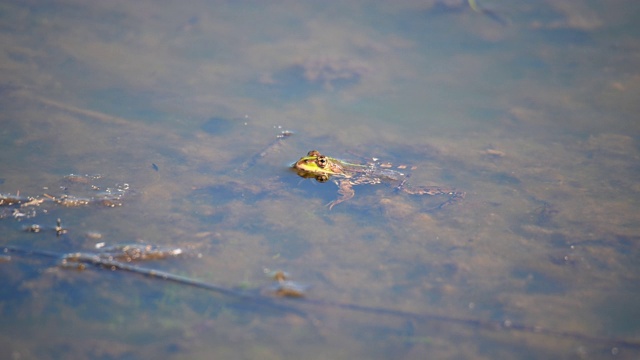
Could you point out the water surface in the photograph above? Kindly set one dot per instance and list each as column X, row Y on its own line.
column 528, row 108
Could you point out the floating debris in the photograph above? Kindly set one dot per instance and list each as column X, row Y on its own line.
column 34, row 228
column 277, row 275
column 18, row 214
column 284, row 287
column 59, row 229
column 137, row 252
column 69, row 201
column 10, row 200
column 289, row 289
column 84, row 194
column 116, row 256
column 94, row 235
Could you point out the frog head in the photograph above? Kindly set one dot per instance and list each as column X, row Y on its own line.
column 317, row 166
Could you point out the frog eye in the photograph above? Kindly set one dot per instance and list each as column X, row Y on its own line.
column 322, row 178
column 322, row 161
column 313, row 153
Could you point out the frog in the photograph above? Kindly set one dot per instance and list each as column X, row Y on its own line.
column 347, row 175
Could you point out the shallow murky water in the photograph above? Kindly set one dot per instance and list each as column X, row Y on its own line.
column 527, row 108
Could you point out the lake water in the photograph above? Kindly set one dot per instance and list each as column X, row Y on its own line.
column 529, row 108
